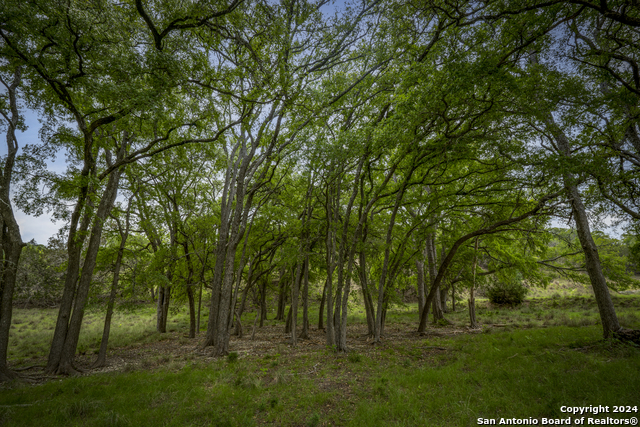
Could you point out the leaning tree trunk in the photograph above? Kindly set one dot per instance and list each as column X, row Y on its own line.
column 67, row 358
column 11, row 238
column 490, row 229
column 608, row 316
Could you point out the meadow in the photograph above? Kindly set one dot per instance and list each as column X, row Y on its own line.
column 525, row 363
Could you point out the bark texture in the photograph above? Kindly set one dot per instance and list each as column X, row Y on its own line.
column 11, row 239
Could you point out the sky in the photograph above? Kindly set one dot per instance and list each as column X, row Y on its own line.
column 39, row 228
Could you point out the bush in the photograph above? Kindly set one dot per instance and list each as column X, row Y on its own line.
column 506, row 293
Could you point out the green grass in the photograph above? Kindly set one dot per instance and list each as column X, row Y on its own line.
column 434, row 381
column 544, row 354
column 32, row 330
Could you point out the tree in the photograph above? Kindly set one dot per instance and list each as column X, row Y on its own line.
column 11, row 239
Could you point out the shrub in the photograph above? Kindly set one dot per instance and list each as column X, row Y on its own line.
column 506, row 293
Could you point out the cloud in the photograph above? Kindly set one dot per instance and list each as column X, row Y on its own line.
column 39, row 228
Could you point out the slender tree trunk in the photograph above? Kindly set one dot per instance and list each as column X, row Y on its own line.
column 102, row 353
column 420, row 285
column 366, row 295
column 385, row 267
column 341, row 340
column 159, row 305
column 287, row 323
column 221, row 251
column 199, row 308
column 305, row 301
column 282, row 295
column 295, row 293
column 472, row 299
column 433, row 271
column 331, row 339
column 263, row 302
column 321, row 310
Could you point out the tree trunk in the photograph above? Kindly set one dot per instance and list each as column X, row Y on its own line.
column 295, row 293
column 159, row 310
column 420, row 283
column 282, row 295
column 102, row 353
column 366, row 295
column 608, row 315
column 67, row 358
column 263, row 302
column 305, row 301
column 331, row 339
column 75, row 242
column 11, row 239
column 472, row 300
column 433, row 271
column 321, row 310
column 11, row 248
column 199, row 309
column 444, row 295
column 287, row 324
column 383, row 275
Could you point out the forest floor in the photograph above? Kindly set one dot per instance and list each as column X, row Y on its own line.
column 269, row 340
column 525, row 363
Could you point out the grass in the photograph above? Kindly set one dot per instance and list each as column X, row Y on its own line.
column 521, row 374
column 545, row 354
column 32, row 330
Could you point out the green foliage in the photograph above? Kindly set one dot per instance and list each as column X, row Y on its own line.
column 510, row 292
column 40, row 275
column 616, row 257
